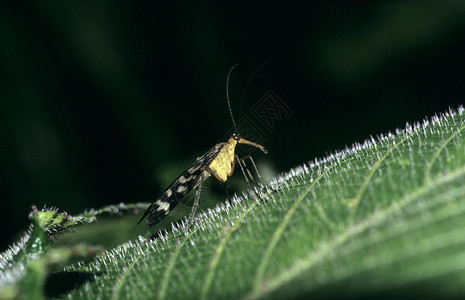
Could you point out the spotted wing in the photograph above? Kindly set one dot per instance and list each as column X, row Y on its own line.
column 188, row 180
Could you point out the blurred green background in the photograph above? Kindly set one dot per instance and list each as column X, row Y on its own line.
column 104, row 102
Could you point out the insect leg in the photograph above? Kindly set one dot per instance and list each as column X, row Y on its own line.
column 226, row 188
column 242, row 161
column 195, row 205
column 255, row 167
column 239, row 161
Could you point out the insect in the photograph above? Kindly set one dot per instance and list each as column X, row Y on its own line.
column 219, row 161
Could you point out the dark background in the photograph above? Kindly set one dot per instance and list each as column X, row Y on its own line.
column 104, row 102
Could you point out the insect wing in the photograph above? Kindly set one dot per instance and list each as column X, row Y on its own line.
column 189, row 199
column 188, row 180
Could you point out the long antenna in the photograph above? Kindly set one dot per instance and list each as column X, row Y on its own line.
column 247, row 87
column 227, row 96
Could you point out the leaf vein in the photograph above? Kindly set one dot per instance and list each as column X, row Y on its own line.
column 219, row 251
column 171, row 264
column 358, row 197
column 435, row 156
column 307, row 262
column 277, row 234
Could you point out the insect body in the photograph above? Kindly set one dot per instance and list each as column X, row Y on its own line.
column 219, row 161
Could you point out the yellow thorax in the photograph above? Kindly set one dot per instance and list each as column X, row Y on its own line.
column 222, row 165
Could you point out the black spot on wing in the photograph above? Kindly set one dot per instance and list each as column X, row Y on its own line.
column 156, row 213
column 182, row 185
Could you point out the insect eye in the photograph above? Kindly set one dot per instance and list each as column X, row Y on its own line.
column 236, row 136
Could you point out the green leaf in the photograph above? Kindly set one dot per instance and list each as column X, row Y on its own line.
column 25, row 266
column 383, row 217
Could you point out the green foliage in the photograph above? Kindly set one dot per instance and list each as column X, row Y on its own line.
column 26, row 265
column 385, row 216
